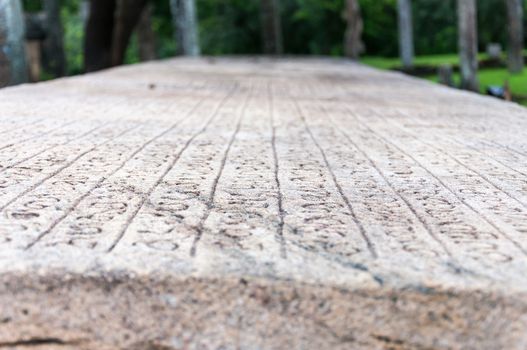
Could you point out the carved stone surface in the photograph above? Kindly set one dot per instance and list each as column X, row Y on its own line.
column 257, row 204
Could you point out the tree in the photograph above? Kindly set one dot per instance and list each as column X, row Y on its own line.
column 406, row 40
column 13, row 64
column 54, row 59
column 185, row 22
column 515, row 35
column 99, row 35
column 353, row 45
column 468, row 44
column 108, row 31
column 128, row 13
column 271, row 27
column 145, row 36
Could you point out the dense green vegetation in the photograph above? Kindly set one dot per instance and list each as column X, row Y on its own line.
column 314, row 27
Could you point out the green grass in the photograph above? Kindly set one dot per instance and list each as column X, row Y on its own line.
column 497, row 76
column 517, row 82
column 381, row 62
column 430, row 60
column 487, row 77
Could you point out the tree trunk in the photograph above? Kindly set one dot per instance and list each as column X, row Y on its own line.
column 271, row 26
column 99, row 35
column 33, row 56
column 515, row 31
column 126, row 18
column 468, row 44
column 184, row 17
column 353, row 45
column 13, row 64
column 406, row 39
column 54, row 59
column 446, row 74
column 108, row 31
column 146, row 36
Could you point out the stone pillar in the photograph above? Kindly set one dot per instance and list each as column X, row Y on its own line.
column 146, row 37
column 184, row 17
column 54, row 57
column 406, row 39
column 468, row 44
column 271, row 27
column 34, row 57
column 515, row 35
column 13, row 64
column 35, row 24
column 445, row 74
column 353, row 45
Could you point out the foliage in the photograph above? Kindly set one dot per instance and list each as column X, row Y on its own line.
column 492, row 23
column 162, row 23
column 32, row 5
column 229, row 27
column 313, row 27
column 380, row 27
column 310, row 27
column 73, row 35
column 435, row 26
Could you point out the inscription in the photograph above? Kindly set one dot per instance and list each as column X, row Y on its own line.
column 282, row 170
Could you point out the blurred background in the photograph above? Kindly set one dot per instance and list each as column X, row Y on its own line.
column 426, row 38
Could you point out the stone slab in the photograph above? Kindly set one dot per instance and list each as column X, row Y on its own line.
column 260, row 204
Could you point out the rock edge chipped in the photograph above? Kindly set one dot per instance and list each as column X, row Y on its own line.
column 116, row 311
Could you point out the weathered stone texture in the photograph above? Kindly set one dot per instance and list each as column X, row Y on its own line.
column 260, row 204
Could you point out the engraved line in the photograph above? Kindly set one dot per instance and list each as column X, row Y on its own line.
column 104, row 178
column 174, row 161
column 34, row 186
column 362, row 231
column 210, row 203
column 444, row 136
column 488, row 143
column 392, row 187
column 486, row 155
column 76, row 203
column 75, row 138
column 480, row 214
column 9, row 145
column 54, row 173
column 508, row 148
column 281, row 214
column 455, row 159
column 22, row 126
